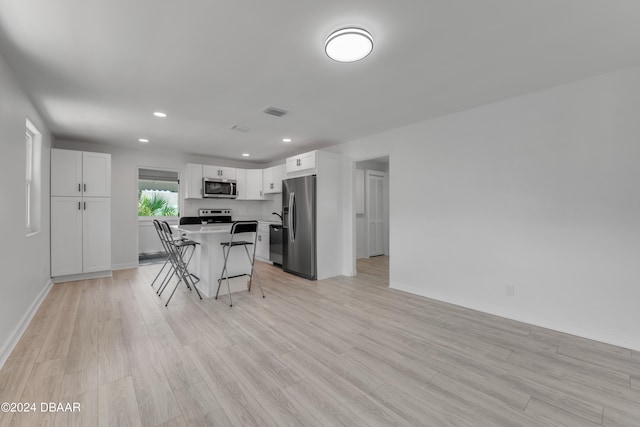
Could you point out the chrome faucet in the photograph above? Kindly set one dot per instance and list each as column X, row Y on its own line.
column 279, row 215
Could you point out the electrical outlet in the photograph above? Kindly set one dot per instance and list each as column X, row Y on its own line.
column 510, row 290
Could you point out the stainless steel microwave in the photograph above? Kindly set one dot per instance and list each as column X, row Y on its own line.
column 219, row 188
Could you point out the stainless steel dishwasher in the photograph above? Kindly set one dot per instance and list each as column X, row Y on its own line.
column 275, row 244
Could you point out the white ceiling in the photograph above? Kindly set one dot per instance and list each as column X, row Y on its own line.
column 97, row 69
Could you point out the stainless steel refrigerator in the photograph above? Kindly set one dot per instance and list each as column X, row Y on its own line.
column 299, row 226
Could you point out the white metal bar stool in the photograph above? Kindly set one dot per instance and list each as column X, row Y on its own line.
column 177, row 252
column 239, row 227
column 170, row 271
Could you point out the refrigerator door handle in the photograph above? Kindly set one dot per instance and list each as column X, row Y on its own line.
column 290, row 217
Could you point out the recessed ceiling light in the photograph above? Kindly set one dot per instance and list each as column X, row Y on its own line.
column 143, row 140
column 245, row 154
column 286, row 139
column 348, row 45
column 160, row 114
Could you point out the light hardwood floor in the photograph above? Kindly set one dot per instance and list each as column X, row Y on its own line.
column 345, row 351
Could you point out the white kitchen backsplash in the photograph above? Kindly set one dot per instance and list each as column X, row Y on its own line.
column 241, row 209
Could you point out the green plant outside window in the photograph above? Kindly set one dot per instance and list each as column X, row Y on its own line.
column 155, row 205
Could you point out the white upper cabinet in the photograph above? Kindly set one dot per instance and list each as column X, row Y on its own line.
column 96, row 174
column 272, row 179
column 193, row 181
column 218, row 172
column 249, row 184
column 66, row 173
column 195, row 173
column 301, row 164
column 77, row 173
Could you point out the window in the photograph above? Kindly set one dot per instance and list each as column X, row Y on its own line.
column 29, row 169
column 158, row 193
column 33, row 179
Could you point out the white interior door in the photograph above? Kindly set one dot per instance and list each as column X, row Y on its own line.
column 376, row 212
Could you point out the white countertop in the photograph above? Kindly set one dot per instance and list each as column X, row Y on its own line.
column 204, row 228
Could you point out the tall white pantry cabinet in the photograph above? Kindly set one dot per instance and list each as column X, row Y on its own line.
column 80, row 213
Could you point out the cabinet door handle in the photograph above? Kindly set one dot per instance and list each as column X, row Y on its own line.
column 79, row 206
column 85, row 206
column 85, row 188
column 79, row 187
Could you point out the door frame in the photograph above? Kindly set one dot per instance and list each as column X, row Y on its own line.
column 385, row 209
column 350, row 220
column 181, row 193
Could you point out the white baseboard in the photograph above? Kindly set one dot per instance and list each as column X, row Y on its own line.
column 125, row 266
column 13, row 339
column 82, row 276
column 632, row 343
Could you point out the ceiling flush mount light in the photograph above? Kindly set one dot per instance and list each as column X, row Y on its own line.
column 160, row 114
column 143, row 140
column 286, row 139
column 245, row 154
column 348, row 45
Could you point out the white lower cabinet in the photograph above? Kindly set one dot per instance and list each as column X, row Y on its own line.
column 262, row 247
column 80, row 235
column 66, row 236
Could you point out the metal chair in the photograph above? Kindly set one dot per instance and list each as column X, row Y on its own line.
column 167, row 262
column 239, row 227
column 177, row 249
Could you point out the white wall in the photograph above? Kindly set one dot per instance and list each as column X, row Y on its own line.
column 24, row 261
column 124, row 188
column 539, row 192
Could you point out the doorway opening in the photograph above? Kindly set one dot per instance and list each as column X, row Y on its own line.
column 158, row 198
column 372, row 207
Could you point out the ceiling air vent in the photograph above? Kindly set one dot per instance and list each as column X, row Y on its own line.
column 241, row 128
column 275, row 111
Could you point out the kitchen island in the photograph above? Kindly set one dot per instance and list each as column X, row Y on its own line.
column 208, row 260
